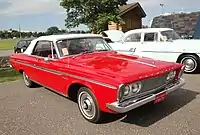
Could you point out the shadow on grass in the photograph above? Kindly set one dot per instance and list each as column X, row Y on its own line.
column 8, row 74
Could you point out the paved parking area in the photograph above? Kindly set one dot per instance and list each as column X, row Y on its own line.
column 38, row 111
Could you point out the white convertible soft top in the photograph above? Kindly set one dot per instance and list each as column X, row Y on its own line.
column 55, row 38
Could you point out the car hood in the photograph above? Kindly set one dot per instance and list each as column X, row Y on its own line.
column 114, row 35
column 119, row 67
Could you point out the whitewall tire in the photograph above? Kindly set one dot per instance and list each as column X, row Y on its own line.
column 191, row 63
column 88, row 105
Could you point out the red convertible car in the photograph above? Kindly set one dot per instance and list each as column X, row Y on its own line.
column 84, row 67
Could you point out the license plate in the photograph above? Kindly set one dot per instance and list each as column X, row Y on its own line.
column 160, row 97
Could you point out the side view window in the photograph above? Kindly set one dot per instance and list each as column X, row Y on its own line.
column 150, row 37
column 44, row 49
column 133, row 37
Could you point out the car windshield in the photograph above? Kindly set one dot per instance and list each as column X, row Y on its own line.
column 170, row 35
column 81, row 45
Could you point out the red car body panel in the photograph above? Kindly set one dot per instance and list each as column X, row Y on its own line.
column 102, row 72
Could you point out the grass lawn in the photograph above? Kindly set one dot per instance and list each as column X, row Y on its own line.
column 8, row 44
column 8, row 74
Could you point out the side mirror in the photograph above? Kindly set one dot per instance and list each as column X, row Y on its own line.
column 46, row 59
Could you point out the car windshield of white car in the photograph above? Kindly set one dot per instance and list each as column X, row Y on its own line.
column 81, row 45
column 170, row 35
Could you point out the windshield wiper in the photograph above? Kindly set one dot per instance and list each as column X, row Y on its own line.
column 85, row 52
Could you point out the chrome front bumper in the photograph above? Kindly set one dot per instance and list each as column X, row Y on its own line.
column 119, row 109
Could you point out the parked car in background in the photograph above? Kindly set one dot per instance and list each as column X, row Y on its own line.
column 108, row 40
column 22, row 45
column 84, row 68
column 159, row 43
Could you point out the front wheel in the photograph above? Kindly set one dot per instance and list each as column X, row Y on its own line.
column 88, row 106
column 191, row 63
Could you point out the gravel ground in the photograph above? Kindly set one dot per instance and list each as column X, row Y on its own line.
column 38, row 111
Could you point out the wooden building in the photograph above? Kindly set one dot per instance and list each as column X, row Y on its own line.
column 132, row 15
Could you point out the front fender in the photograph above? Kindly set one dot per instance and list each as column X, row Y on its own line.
column 102, row 94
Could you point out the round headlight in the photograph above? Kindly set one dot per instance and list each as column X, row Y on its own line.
column 123, row 91
column 126, row 90
column 171, row 75
column 135, row 87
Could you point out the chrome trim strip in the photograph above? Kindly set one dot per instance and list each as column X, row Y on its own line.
column 66, row 74
column 168, row 52
column 89, row 80
column 162, row 52
column 40, row 57
column 124, row 50
column 115, row 106
column 144, row 63
column 118, row 92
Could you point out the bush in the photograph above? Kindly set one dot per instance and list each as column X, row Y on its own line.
column 8, row 74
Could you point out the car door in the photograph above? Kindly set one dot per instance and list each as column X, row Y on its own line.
column 47, row 66
column 151, row 46
column 130, row 43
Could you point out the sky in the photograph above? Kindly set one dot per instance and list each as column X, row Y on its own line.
column 38, row 15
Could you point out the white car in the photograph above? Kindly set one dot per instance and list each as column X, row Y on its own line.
column 158, row 43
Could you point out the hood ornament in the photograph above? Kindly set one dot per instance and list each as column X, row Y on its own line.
column 154, row 63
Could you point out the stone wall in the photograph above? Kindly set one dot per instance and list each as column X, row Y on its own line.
column 4, row 62
column 182, row 23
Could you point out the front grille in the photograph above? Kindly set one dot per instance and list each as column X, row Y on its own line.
column 153, row 83
column 150, row 86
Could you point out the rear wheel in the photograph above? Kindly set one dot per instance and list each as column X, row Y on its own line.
column 88, row 106
column 27, row 81
column 191, row 63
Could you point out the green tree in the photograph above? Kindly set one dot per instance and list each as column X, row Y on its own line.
column 2, row 35
column 39, row 34
column 52, row 30
column 94, row 13
column 29, row 34
column 63, row 31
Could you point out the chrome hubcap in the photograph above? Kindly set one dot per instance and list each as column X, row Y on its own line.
column 190, row 64
column 86, row 105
